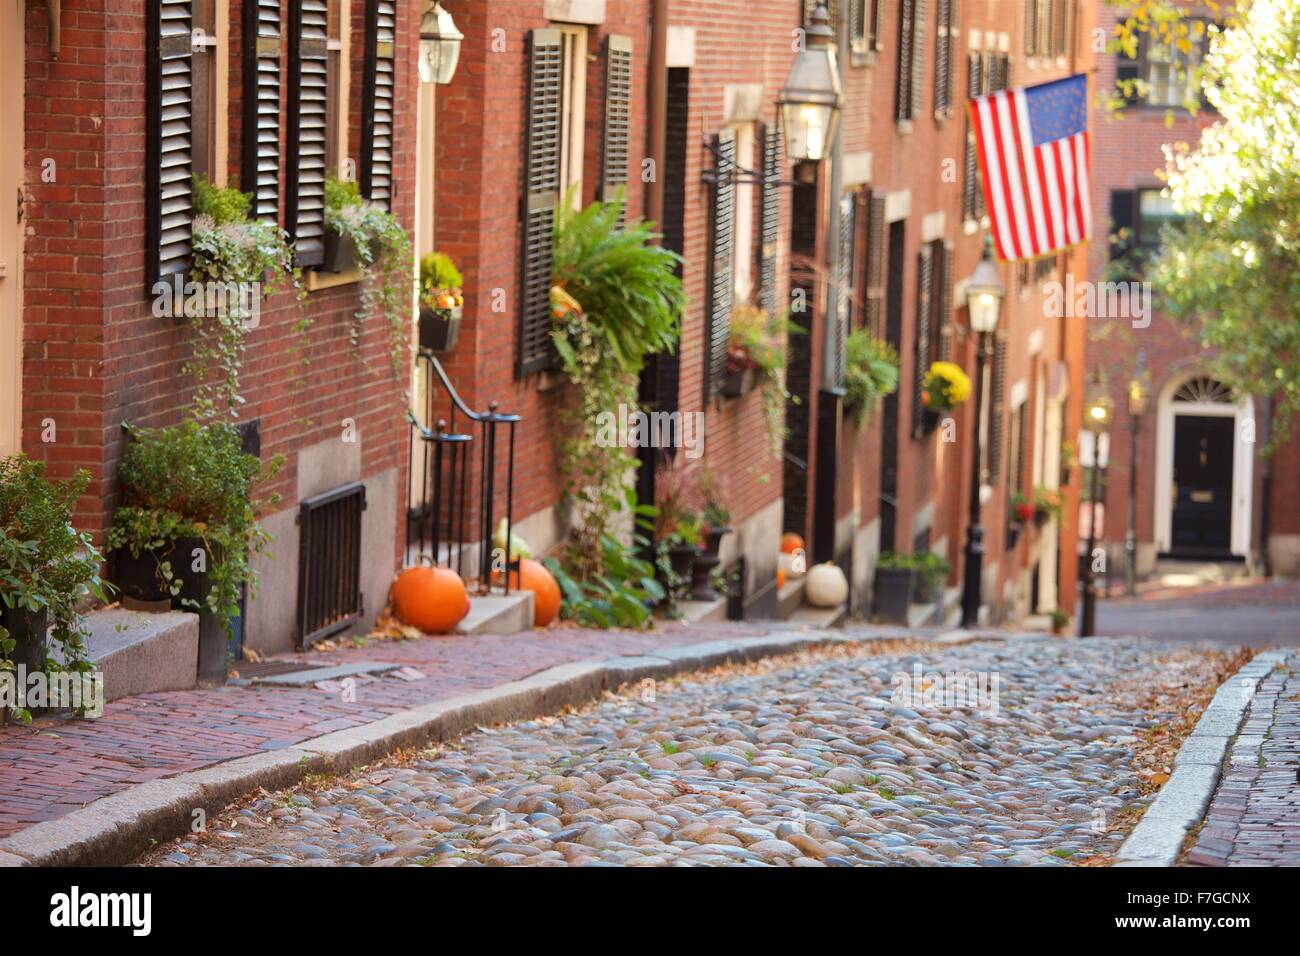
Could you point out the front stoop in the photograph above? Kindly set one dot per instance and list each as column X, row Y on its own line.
column 139, row 653
column 498, row 614
column 1158, row 838
column 820, row 617
column 701, row 612
column 789, row 599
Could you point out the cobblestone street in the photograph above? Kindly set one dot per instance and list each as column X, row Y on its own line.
column 818, row 759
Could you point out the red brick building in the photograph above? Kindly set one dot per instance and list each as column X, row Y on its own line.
column 1201, row 488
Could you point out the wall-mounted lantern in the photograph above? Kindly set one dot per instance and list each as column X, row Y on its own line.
column 813, row 95
column 439, row 46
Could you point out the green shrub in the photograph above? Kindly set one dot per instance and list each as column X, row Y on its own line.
column 194, row 480
column 623, row 594
column 437, row 271
column 222, row 204
column 870, row 373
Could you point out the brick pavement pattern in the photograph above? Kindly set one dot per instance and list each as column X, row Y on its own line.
column 1254, row 818
column 57, row 765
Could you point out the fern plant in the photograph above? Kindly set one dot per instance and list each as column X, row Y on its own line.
column 870, row 373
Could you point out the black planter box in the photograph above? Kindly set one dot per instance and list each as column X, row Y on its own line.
column 440, row 328
column 702, row 566
column 340, row 253
column 713, row 539
column 930, row 420
column 892, row 595
column 740, row 382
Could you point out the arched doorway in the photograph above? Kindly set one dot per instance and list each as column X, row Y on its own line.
column 1204, row 467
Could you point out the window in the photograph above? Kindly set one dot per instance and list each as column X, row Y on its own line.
column 211, row 26
column 865, row 21
column 1155, row 211
column 1165, row 73
column 1047, row 27
column 742, row 253
column 945, row 53
column 1137, row 218
column 573, row 99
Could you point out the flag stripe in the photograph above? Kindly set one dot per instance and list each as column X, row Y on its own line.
column 1025, row 147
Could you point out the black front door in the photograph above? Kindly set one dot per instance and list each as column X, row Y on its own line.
column 1202, row 520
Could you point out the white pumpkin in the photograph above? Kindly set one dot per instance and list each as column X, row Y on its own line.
column 826, row 586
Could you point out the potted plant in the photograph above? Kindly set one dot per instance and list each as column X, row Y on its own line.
column 870, row 373
column 716, row 515
column 1023, row 507
column 1069, row 460
column 382, row 251
column 930, row 572
column 442, row 305
column 1047, row 504
column 946, row 386
column 756, row 359
column 47, row 569
column 187, row 528
column 237, row 262
column 1059, row 620
column 677, row 529
column 892, row 594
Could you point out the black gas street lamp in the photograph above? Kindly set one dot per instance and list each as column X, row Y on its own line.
column 984, row 292
column 1097, row 408
column 1139, row 395
column 812, row 96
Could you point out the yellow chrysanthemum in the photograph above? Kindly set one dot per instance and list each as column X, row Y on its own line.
column 949, row 379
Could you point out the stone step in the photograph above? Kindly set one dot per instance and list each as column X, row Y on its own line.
column 698, row 612
column 789, row 599
column 498, row 614
column 142, row 653
column 820, row 617
column 1175, row 573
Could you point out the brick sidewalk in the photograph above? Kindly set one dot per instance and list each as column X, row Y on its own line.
column 59, row 765
column 1254, row 818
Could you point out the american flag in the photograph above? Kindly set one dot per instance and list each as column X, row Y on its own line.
column 1032, row 144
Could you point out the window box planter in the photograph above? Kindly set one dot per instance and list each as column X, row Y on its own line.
column 739, row 382
column 891, row 596
column 930, row 419
column 340, row 253
column 440, row 328
column 925, row 588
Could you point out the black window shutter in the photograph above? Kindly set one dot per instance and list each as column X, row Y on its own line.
column 618, row 115
column 721, row 225
column 970, row 189
column 1123, row 222
column 261, row 163
column 1129, row 69
column 903, row 81
column 997, row 407
column 1031, row 27
column 541, row 193
column 877, row 25
column 943, row 310
column 875, row 278
column 857, row 20
column 944, row 46
column 770, row 217
column 169, row 202
column 924, row 307
column 917, row 84
column 378, row 88
column 304, row 200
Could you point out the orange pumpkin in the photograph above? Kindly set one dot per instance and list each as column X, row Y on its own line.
column 546, row 590
column 432, row 599
column 780, row 577
column 791, row 542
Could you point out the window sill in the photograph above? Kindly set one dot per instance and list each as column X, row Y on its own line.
column 330, row 280
column 548, row 380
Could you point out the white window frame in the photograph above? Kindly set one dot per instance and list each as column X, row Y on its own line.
column 573, row 110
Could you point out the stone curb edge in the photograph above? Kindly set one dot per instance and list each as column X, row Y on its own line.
column 1158, row 838
column 114, row 830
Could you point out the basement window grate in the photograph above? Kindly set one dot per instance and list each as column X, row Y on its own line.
column 329, row 562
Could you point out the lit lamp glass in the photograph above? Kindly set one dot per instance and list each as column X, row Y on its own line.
column 984, row 292
column 1097, row 408
column 812, row 96
column 439, row 46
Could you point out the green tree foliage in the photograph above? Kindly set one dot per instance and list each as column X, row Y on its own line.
column 1232, row 272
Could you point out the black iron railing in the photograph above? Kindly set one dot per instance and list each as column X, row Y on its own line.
column 452, row 507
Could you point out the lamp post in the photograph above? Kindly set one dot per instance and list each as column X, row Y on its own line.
column 1096, row 419
column 1139, row 393
column 439, row 46
column 984, row 292
column 812, row 96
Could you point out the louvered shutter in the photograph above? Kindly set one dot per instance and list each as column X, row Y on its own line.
column 857, row 20
column 541, row 193
column 618, row 116
column 924, row 307
column 261, row 166
column 903, row 81
column 917, row 84
column 844, row 281
column 875, row 279
column 377, row 102
column 304, row 201
column 770, row 217
column 721, row 226
column 943, row 49
column 944, row 308
column 997, row 407
column 970, row 192
column 169, row 205
column 877, row 25
column 1031, row 27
